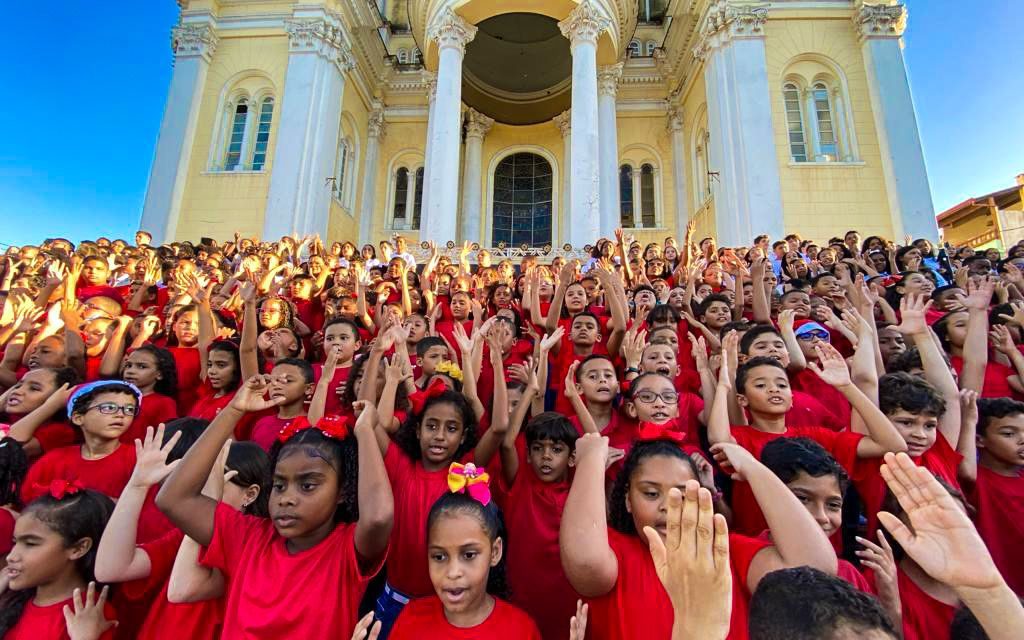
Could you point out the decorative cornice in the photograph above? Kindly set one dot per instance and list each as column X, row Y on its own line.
column 881, row 20
column 376, row 127
column 584, row 24
column 450, row 30
column 194, row 40
column 608, row 79
column 477, row 124
column 675, row 119
column 665, row 66
column 322, row 38
column 728, row 20
column 564, row 122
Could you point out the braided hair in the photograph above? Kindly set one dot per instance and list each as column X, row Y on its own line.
column 342, row 455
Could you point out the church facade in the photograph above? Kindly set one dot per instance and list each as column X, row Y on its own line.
column 538, row 123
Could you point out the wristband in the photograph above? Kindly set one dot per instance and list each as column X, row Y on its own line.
column 632, row 370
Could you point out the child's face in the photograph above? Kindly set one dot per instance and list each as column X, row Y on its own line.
column 659, row 358
column 890, row 342
column 550, row 460
column 676, row 298
column 827, row 287
column 186, row 328
column 441, row 433
column 1003, row 440
column 303, row 497
column 822, row 499
column 515, row 396
column 140, row 369
column 39, row 555
column 948, row 299
column 598, row 382
column 460, row 306
column 799, row 302
column 107, row 426
column 645, row 298
column 29, row 393
column 434, row 356
column 575, row 298
column 916, row 283
column 502, row 296
column 96, row 334
column 956, row 328
column 272, row 313
column 647, row 496
column 660, row 288
column 300, row 289
column 717, row 315
column 655, row 399
column 287, row 382
column 769, row 345
column 416, row 325
column 48, row 353
column 220, row 369
column 460, row 555
column 343, row 338
column 767, row 391
column 666, row 335
column 918, row 430
column 585, row 331
column 592, row 288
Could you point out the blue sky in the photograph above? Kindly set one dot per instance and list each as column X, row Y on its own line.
column 86, row 84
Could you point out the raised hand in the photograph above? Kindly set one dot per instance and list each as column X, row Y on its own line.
column 880, row 559
column 940, row 538
column 979, row 293
column 250, row 396
column 832, row 367
column 572, row 389
column 633, row 344
column 366, row 628
column 549, row 341
column 734, row 459
column 913, row 308
column 1001, row 338
column 591, row 445
column 578, row 623
column 87, row 621
column 367, row 413
column 151, row 465
column 699, row 351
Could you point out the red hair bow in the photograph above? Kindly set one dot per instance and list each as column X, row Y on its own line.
column 889, row 281
column 59, row 489
column 418, row 399
column 664, row 431
column 293, row 427
column 334, row 426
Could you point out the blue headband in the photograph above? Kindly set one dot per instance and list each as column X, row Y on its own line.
column 83, row 389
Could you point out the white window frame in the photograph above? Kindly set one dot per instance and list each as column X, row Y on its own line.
column 225, row 125
column 635, row 49
column 649, row 48
column 794, row 86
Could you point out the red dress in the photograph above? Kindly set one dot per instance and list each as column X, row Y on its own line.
column 424, row 619
column 39, row 623
column 998, row 501
column 271, row 593
column 108, row 475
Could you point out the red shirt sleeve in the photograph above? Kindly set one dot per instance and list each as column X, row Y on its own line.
column 161, row 553
column 230, row 529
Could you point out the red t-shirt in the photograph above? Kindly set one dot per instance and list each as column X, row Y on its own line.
column 47, row 623
column 153, row 524
column 186, row 359
column 747, row 516
column 333, row 404
column 165, row 620
column 924, row 617
column 415, row 490
column 995, row 384
column 638, row 607
column 209, row 404
column 155, row 408
column 533, row 513
column 424, row 619
column 108, row 475
column 7, row 519
column 832, row 405
column 807, row 411
column 271, row 593
column 266, row 430
column 998, row 501
column 53, row 435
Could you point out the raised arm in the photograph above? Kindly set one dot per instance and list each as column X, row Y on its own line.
column 588, row 559
column 509, row 454
column 318, row 404
column 24, row 429
column 247, row 350
column 376, row 502
column 565, row 278
column 110, row 365
column 572, row 392
column 967, row 447
column 762, row 304
column 975, row 349
column 490, row 442
column 719, row 427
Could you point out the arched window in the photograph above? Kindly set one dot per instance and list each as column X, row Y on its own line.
column 795, row 123
column 625, row 196
column 259, row 152
column 236, row 140
column 242, row 140
column 417, row 210
column 522, row 200
column 828, row 147
column 650, row 47
column 401, row 198
column 403, row 56
column 344, row 172
column 702, row 165
column 634, row 49
column 647, row 210
column 416, row 57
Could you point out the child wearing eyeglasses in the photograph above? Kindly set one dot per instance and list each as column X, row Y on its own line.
column 103, row 411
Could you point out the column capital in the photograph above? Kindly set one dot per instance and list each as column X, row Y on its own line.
column 449, row 29
column 881, row 20
column 376, row 127
column 477, row 124
column 675, row 119
column 584, row 24
column 727, row 20
column 194, row 40
column 608, row 79
column 564, row 122
column 322, row 38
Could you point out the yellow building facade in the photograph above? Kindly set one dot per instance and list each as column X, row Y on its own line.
column 533, row 123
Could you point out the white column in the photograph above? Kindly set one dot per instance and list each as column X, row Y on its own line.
column 193, row 46
column 477, row 126
column 608, row 140
column 811, row 109
column 675, row 126
column 906, row 177
column 410, row 198
column 367, row 209
column 451, row 33
column 748, row 195
column 582, row 27
column 430, row 79
column 845, row 145
column 564, row 123
column 299, row 199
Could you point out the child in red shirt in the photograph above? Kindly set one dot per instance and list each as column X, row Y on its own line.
column 222, row 376
column 103, row 411
column 154, row 372
column 51, row 566
column 341, row 335
column 312, row 542
column 35, row 409
column 465, row 551
column 291, row 386
column 606, row 559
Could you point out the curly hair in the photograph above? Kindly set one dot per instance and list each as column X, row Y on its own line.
column 408, row 440
column 167, row 384
column 342, row 455
column 289, row 312
column 491, row 521
column 253, row 466
column 13, row 468
column 618, row 517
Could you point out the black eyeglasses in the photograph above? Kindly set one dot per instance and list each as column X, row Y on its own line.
column 647, row 397
column 111, row 408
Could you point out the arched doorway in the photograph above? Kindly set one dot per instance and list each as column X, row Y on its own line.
column 522, row 201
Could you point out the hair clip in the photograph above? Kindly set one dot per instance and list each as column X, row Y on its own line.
column 418, row 399
column 664, row 431
column 450, row 369
column 470, row 480
column 59, row 489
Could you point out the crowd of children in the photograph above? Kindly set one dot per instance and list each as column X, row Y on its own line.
column 258, row 440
